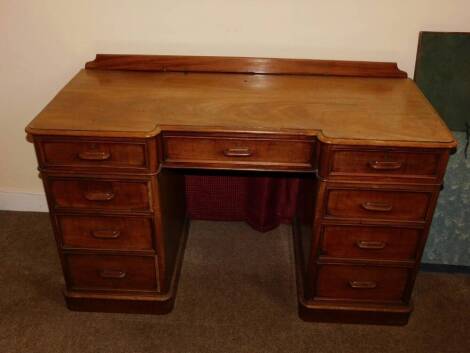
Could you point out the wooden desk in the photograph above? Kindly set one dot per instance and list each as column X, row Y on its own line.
column 371, row 149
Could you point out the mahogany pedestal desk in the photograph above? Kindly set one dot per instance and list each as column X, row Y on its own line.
column 371, row 150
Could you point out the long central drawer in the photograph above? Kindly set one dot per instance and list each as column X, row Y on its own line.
column 238, row 152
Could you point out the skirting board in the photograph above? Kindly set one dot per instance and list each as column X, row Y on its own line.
column 428, row 267
column 23, row 201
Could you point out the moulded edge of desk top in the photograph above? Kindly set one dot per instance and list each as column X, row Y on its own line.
column 31, row 132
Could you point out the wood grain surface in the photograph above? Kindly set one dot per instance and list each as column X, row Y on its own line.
column 354, row 110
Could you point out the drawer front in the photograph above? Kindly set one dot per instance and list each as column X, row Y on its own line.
column 385, row 163
column 233, row 152
column 369, row 242
column 367, row 283
column 111, row 272
column 378, row 204
column 110, row 233
column 94, row 154
column 98, row 194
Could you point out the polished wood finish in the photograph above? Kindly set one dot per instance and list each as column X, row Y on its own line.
column 354, row 314
column 382, row 163
column 111, row 272
column 382, row 204
column 237, row 152
column 361, row 283
column 369, row 242
column 143, row 303
column 123, row 155
column 343, row 311
column 94, row 154
column 87, row 193
column 370, row 151
column 106, row 232
column 330, row 108
column 135, row 302
column 172, row 224
column 245, row 65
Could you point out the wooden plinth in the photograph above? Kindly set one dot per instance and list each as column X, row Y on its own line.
column 353, row 315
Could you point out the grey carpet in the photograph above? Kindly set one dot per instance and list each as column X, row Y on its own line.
column 236, row 294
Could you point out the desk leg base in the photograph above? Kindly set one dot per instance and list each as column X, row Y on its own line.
column 150, row 305
column 316, row 312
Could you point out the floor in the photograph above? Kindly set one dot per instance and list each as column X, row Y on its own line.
column 236, row 294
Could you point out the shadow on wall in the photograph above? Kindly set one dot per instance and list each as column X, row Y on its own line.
column 449, row 238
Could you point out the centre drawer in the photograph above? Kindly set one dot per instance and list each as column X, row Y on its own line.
column 111, row 272
column 84, row 193
column 105, row 232
column 242, row 152
column 383, row 204
column 365, row 283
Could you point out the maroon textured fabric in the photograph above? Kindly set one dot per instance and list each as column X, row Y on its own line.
column 263, row 202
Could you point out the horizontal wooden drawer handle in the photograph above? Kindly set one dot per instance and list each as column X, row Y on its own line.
column 362, row 284
column 106, row 234
column 237, row 152
column 99, row 196
column 382, row 165
column 364, row 244
column 112, row 274
column 94, row 155
column 377, row 206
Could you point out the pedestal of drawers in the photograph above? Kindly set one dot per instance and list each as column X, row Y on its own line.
column 358, row 252
column 120, row 250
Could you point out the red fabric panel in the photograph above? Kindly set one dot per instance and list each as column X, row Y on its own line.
column 263, row 202
column 218, row 198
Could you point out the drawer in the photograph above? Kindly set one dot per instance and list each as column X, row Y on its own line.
column 111, row 272
column 105, row 232
column 378, row 204
column 220, row 152
column 366, row 283
column 369, row 242
column 100, row 194
column 385, row 163
column 93, row 154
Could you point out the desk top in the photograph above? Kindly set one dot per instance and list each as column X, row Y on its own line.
column 344, row 110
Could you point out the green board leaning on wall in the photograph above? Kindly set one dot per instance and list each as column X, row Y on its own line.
column 443, row 74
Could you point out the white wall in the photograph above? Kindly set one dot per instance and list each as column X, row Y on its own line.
column 44, row 42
